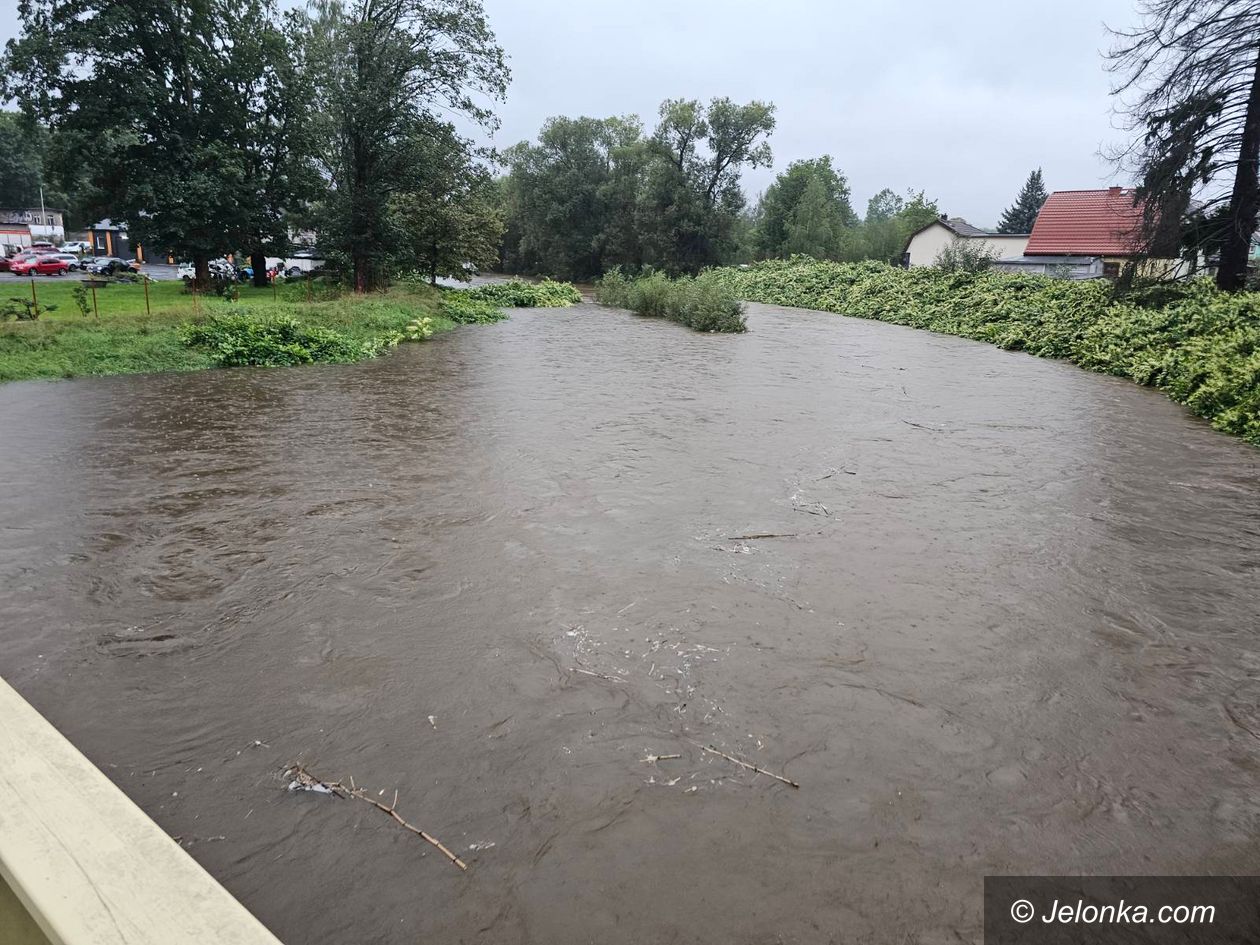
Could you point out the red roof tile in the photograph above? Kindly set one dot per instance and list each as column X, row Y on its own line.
column 1086, row 223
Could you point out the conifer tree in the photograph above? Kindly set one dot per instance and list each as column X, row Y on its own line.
column 1020, row 216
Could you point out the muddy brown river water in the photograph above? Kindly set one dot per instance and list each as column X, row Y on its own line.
column 1008, row 624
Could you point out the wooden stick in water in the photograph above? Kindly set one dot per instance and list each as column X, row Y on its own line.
column 744, row 764
column 305, row 778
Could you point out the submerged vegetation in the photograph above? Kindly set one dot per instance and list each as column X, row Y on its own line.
column 704, row 303
column 485, row 303
column 1199, row 345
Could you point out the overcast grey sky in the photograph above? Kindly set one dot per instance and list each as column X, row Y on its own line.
column 961, row 98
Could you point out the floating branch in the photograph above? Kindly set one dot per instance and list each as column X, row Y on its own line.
column 307, row 781
column 763, row 535
column 744, row 764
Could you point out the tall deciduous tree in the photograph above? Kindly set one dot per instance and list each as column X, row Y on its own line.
column 447, row 217
column 21, row 161
column 390, row 72
column 1020, row 216
column 150, row 85
column 804, row 211
column 163, row 101
column 1189, row 82
column 692, row 199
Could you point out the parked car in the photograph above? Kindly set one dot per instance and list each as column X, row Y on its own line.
column 18, row 258
column 72, row 261
column 111, row 265
column 45, row 265
column 78, row 247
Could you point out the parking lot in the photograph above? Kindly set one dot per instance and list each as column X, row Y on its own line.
column 159, row 272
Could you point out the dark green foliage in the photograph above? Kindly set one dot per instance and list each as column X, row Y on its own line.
column 703, row 303
column 804, row 212
column 197, row 154
column 390, row 76
column 1198, row 344
column 21, row 162
column 1021, row 215
column 238, row 338
column 592, row 194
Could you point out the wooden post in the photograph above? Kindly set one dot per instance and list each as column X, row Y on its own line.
column 94, row 305
column 34, row 298
column 146, row 296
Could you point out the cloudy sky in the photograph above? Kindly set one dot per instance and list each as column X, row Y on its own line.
column 960, row 98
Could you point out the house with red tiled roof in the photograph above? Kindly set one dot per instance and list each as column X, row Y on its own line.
column 1082, row 234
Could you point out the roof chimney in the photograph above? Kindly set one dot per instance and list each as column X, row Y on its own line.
column 1114, row 191
column 944, row 216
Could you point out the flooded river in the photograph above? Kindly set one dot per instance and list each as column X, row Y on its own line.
column 1004, row 620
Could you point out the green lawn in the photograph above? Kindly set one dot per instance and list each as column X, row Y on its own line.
column 124, row 339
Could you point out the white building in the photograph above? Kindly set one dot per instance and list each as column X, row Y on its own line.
column 926, row 243
column 45, row 225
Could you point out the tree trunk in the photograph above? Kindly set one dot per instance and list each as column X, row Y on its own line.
column 258, row 261
column 1244, row 203
column 201, row 273
column 360, row 273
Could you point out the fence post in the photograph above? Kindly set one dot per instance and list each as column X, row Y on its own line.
column 34, row 299
column 147, row 311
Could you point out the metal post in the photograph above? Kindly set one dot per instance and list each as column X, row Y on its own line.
column 34, row 299
column 95, row 308
column 146, row 296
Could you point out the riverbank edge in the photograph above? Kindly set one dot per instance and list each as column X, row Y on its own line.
column 1198, row 345
column 64, row 346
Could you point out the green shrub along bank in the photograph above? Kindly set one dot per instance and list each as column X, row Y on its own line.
column 238, row 338
column 1199, row 345
column 485, row 303
column 705, row 303
column 520, row 294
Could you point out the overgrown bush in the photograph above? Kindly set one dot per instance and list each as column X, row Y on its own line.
column 463, row 309
column 704, row 303
column 239, row 338
column 520, row 294
column 1198, row 344
column 966, row 256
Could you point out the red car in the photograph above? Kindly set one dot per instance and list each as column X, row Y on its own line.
column 40, row 265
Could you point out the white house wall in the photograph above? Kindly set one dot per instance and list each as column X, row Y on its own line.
column 926, row 245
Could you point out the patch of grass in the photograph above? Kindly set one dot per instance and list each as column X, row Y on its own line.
column 124, row 340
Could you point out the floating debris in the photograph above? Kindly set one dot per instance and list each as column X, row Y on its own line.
column 303, row 780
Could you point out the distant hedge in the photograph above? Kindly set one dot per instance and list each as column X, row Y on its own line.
column 1199, row 345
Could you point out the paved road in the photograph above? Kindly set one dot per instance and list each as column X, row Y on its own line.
column 159, row 272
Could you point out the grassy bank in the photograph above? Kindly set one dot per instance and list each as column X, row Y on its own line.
column 704, row 303
column 1200, row 346
column 294, row 324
